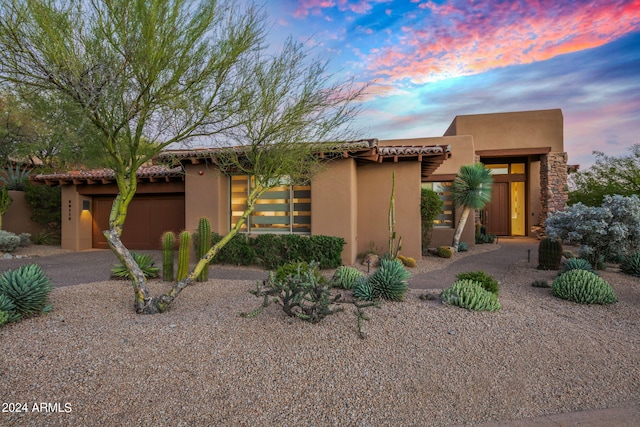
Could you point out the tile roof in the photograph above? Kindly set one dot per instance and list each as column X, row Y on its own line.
column 107, row 176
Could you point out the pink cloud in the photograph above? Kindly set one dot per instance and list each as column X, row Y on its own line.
column 305, row 7
column 458, row 41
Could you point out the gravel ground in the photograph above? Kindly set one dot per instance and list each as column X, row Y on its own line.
column 95, row 362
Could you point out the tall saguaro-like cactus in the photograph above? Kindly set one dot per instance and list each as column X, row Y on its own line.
column 204, row 244
column 168, row 251
column 184, row 255
column 394, row 248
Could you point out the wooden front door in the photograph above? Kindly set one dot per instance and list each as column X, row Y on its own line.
column 496, row 213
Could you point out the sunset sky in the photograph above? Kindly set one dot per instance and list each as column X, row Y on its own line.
column 433, row 60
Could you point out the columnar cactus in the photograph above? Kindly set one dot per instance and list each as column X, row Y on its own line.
column 183, row 255
column 549, row 254
column 204, row 244
column 168, row 250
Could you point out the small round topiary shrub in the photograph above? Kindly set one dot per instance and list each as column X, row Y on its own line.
column 445, row 252
column 583, row 287
column 471, row 295
column 345, row 277
column 631, row 264
column 576, row 264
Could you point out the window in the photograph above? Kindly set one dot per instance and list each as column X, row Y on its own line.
column 443, row 189
column 285, row 208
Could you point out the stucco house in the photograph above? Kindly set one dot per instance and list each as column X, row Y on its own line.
column 349, row 198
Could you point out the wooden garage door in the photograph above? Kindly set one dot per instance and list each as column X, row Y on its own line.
column 148, row 217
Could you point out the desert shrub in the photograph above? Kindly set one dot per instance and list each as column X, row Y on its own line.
column 238, row 251
column 540, row 284
column 463, row 247
column 430, row 209
column 583, row 287
column 576, row 264
column 487, row 281
column 144, row 261
column 25, row 239
column 611, row 230
column 28, row 289
column 9, row 242
column 631, row 264
column 485, row 238
column 389, row 281
column 345, row 277
column 300, row 295
column 444, row 252
column 7, row 306
column 471, row 295
column 46, row 204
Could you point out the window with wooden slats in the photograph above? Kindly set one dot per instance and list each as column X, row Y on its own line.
column 285, row 208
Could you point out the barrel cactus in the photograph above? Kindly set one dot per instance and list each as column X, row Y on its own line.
column 549, row 254
column 583, row 287
column 471, row 295
column 345, row 277
column 445, row 252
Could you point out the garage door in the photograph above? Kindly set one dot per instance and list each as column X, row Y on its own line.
column 148, row 217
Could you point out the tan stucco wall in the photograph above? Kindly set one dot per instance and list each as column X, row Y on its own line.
column 206, row 195
column 76, row 224
column 374, row 192
column 334, row 205
column 17, row 219
column 515, row 130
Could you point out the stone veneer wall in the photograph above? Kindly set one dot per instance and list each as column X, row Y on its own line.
column 553, row 184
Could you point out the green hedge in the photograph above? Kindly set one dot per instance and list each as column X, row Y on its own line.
column 273, row 250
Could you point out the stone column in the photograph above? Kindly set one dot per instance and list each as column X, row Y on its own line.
column 553, row 184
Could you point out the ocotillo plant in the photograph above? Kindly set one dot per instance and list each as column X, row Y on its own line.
column 394, row 249
column 168, row 251
column 183, row 255
column 204, row 244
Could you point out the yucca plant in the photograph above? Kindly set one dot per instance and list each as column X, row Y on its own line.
column 471, row 190
column 631, row 264
column 145, row 262
column 471, row 295
column 7, row 306
column 345, row 277
column 390, row 280
column 28, row 289
column 583, row 287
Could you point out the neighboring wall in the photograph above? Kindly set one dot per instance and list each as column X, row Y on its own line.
column 18, row 218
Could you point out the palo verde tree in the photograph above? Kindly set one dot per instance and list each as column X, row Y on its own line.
column 149, row 73
column 471, row 190
column 609, row 175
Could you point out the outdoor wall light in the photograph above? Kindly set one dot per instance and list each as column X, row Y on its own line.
column 86, row 205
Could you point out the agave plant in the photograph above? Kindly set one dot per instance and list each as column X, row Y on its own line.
column 390, row 280
column 363, row 290
column 145, row 262
column 28, row 289
column 577, row 264
column 631, row 264
column 7, row 306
